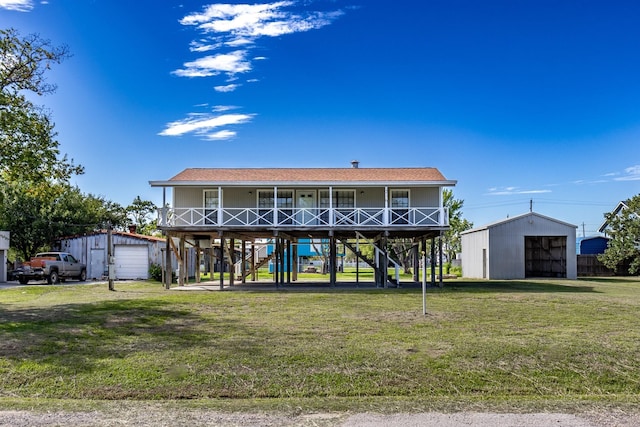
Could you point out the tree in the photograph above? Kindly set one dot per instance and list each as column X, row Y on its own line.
column 457, row 224
column 402, row 248
column 28, row 148
column 624, row 231
column 140, row 214
column 37, row 216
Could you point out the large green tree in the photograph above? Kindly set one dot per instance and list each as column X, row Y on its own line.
column 37, row 204
column 38, row 215
column 29, row 150
column 624, row 231
column 457, row 224
column 140, row 214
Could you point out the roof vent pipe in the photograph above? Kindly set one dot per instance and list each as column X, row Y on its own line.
column 354, row 164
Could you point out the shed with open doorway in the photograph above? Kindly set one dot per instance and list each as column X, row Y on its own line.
column 524, row 246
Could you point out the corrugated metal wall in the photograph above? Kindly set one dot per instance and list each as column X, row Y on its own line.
column 475, row 254
column 92, row 250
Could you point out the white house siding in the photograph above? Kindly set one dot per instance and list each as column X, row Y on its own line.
column 238, row 197
column 506, row 246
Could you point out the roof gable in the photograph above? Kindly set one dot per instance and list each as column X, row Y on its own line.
column 517, row 218
column 616, row 211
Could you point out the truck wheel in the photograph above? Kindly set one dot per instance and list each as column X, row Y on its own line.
column 53, row 278
column 23, row 280
column 83, row 276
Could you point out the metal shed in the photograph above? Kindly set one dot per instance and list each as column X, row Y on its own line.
column 527, row 245
column 133, row 253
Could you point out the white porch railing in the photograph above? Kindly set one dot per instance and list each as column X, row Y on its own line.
column 303, row 217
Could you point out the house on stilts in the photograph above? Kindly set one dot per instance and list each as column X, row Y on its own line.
column 225, row 211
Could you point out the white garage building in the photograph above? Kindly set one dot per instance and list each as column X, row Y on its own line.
column 524, row 246
column 133, row 253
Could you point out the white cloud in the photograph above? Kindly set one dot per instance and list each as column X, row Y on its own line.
column 631, row 173
column 507, row 191
column 204, row 125
column 17, row 5
column 226, row 88
column 213, row 65
column 221, row 108
column 220, row 135
column 239, row 26
column 227, row 32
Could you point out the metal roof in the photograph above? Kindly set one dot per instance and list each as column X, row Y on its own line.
column 515, row 218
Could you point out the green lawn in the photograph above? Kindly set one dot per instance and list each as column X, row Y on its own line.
column 483, row 344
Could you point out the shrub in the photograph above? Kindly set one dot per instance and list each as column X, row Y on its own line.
column 155, row 273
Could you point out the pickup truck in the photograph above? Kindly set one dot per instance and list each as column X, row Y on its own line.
column 52, row 267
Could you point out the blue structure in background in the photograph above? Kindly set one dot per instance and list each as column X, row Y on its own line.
column 591, row 245
column 305, row 250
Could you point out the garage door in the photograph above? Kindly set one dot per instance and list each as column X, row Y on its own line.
column 545, row 256
column 132, row 261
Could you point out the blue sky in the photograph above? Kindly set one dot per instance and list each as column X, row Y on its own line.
column 516, row 100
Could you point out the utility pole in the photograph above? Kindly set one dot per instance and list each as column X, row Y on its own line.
column 530, row 205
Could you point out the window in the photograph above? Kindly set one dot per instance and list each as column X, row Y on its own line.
column 265, row 207
column 399, row 206
column 266, row 204
column 399, row 198
column 285, row 206
column 343, row 202
column 341, row 199
column 211, row 205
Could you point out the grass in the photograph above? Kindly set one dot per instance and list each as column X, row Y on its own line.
column 348, row 275
column 537, row 343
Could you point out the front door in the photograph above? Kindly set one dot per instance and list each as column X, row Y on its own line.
column 306, row 207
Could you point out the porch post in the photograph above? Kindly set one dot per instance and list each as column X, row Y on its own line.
column 416, row 261
column 163, row 220
column 221, row 258
column 182, row 262
column 282, row 248
column 197, row 261
column 357, row 260
column 276, row 220
column 289, row 261
column 276, row 260
column 331, row 218
column 433, row 261
column 243, row 269
column 385, row 261
column 212, row 258
column 253, row 261
column 167, row 264
column 424, row 276
column 385, row 215
column 294, row 255
column 232, row 261
column 440, row 256
column 220, row 219
column 332, row 260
